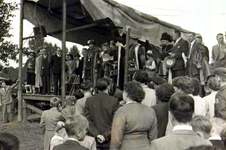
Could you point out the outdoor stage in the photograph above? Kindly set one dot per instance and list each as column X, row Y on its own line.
column 28, row 103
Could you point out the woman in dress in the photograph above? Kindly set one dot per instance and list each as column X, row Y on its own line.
column 134, row 124
column 30, row 65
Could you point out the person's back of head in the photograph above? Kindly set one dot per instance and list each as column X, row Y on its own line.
column 76, row 127
column 164, row 92
column 8, row 141
column 102, row 84
column 55, row 102
column 86, row 86
column 220, row 73
column 134, row 91
column 141, row 76
column 70, row 100
column 183, row 84
column 78, row 94
column 196, row 86
column 213, row 84
column 218, row 125
column 181, row 106
column 202, row 126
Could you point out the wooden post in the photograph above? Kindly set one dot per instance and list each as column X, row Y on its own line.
column 127, row 54
column 24, row 110
column 19, row 117
column 63, row 51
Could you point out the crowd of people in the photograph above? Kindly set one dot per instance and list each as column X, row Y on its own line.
column 175, row 100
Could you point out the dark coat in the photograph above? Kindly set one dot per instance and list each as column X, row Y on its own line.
column 55, row 64
column 69, row 145
column 45, row 66
column 100, row 110
column 161, row 111
column 178, row 49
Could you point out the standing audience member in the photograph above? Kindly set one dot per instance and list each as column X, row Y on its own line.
column 38, row 78
column 200, row 103
column 9, row 141
column 49, row 120
column 215, row 138
column 7, row 100
column 179, row 49
column 59, row 136
column 214, row 87
column 30, row 65
column 45, row 72
column 150, row 97
column 100, row 110
column 76, row 128
column 70, row 108
column 181, row 109
column 202, row 126
column 134, row 125
column 55, row 65
column 218, row 52
column 220, row 100
column 86, row 89
column 163, row 93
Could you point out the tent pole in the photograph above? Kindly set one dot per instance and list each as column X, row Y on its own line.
column 63, row 52
column 127, row 54
column 20, row 99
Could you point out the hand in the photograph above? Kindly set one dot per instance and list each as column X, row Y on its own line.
column 100, row 138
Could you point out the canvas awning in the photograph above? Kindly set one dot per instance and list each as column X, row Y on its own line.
column 102, row 20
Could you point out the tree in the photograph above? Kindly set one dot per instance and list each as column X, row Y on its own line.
column 7, row 48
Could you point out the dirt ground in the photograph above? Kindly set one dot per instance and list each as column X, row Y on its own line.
column 28, row 133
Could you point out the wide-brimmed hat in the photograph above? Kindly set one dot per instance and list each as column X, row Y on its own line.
column 167, row 37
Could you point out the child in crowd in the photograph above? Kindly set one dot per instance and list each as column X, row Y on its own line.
column 49, row 120
column 70, row 108
column 217, row 129
column 202, row 126
column 6, row 100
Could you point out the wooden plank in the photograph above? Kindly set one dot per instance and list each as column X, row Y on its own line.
column 37, row 110
column 38, row 97
column 35, row 116
column 24, row 110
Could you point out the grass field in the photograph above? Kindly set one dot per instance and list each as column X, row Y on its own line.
column 28, row 133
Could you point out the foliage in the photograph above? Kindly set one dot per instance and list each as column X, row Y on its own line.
column 7, row 49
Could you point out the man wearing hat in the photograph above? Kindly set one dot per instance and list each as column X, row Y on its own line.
column 55, row 64
column 166, row 45
column 180, row 47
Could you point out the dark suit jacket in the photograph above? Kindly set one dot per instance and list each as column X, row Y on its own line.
column 45, row 67
column 218, row 144
column 55, row 64
column 161, row 111
column 178, row 49
column 100, row 110
column 69, row 145
column 178, row 140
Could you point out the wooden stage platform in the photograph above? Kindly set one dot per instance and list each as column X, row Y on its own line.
column 27, row 104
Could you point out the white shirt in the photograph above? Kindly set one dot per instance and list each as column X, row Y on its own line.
column 210, row 101
column 215, row 138
column 182, row 127
column 192, row 43
column 150, row 97
column 200, row 105
column 177, row 40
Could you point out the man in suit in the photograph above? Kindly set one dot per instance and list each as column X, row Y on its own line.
column 181, row 109
column 197, row 65
column 99, row 110
column 180, row 47
column 55, row 64
column 76, row 128
column 218, row 52
column 45, row 71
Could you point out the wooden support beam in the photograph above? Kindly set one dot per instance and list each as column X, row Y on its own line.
column 38, row 97
column 24, row 110
column 35, row 116
column 37, row 110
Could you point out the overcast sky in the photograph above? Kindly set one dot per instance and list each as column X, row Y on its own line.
column 207, row 17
